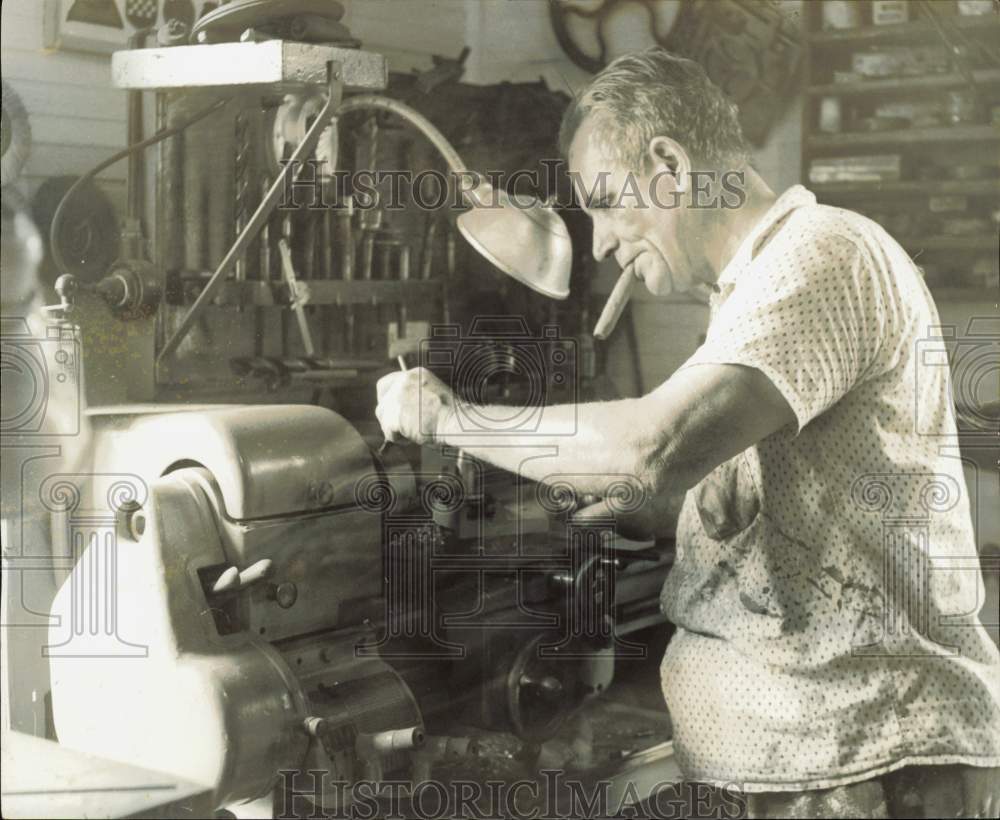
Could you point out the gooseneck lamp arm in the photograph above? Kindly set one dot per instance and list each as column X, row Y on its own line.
column 365, row 102
column 524, row 238
column 528, row 241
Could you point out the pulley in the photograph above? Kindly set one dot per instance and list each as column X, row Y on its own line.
column 307, row 20
column 289, row 123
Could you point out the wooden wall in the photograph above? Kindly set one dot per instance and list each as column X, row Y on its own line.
column 77, row 119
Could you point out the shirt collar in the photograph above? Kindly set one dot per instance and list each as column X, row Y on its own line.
column 794, row 197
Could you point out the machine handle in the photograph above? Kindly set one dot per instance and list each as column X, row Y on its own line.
column 232, row 580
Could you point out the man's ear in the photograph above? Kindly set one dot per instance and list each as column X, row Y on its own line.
column 667, row 154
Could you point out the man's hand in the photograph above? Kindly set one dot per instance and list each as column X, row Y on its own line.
column 413, row 404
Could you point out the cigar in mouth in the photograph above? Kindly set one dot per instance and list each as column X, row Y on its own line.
column 615, row 305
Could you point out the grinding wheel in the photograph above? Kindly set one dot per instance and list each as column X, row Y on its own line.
column 88, row 237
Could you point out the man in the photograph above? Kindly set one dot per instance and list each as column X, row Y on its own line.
column 824, row 666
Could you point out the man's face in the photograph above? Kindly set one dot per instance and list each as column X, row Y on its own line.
column 639, row 217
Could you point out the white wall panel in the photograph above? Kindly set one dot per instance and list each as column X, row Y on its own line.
column 76, row 118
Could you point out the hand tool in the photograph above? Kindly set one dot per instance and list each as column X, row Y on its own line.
column 296, row 294
column 345, row 239
column 404, row 276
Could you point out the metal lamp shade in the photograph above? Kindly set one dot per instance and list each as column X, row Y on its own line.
column 523, row 237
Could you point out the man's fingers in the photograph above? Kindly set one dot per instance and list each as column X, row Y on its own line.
column 410, row 404
column 383, row 385
column 386, row 423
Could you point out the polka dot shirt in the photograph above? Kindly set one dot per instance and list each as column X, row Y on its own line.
column 827, row 581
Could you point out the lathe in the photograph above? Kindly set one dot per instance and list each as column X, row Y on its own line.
column 256, row 595
column 262, row 598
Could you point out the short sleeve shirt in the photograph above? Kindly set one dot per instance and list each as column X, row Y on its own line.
column 827, row 584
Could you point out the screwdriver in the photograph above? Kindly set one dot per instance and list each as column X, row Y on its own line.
column 386, row 444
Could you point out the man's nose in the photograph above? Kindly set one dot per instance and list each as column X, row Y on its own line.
column 605, row 242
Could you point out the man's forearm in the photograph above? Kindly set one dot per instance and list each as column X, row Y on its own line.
column 591, row 446
column 664, row 442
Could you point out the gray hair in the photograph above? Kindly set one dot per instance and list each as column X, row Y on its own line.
column 654, row 93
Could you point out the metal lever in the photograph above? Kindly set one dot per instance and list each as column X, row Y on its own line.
column 296, row 302
column 232, row 580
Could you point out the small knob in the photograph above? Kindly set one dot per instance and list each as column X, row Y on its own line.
column 321, row 492
column 286, row 594
column 67, row 286
column 548, row 686
column 315, row 726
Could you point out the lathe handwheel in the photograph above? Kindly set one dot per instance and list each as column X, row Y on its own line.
column 541, row 690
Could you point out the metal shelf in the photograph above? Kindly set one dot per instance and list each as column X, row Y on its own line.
column 991, row 295
column 967, row 143
column 895, row 85
column 337, row 292
column 976, row 187
column 909, row 136
column 242, row 64
column 903, row 32
column 948, row 243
